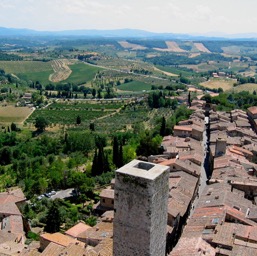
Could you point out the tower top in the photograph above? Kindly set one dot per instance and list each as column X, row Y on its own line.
column 142, row 169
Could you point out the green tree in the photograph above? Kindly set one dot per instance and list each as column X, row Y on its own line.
column 94, row 92
column 189, row 99
column 13, row 127
column 41, row 123
column 92, row 127
column 120, row 162
column 78, row 120
column 163, row 127
column 53, row 219
column 149, row 145
column 115, row 151
column 5, row 155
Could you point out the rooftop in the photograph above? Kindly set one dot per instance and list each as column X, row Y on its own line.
column 253, row 110
column 107, row 193
column 101, row 231
column 59, row 239
column 76, row 230
column 182, row 128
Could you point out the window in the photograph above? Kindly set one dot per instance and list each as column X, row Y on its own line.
column 237, row 208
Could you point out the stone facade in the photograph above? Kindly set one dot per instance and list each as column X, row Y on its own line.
column 221, row 145
column 140, row 221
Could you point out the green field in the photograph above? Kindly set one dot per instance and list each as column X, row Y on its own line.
column 21, row 67
column 82, row 73
column 177, row 71
column 66, row 113
column 124, row 119
column 94, row 105
column 28, row 70
column 245, row 87
column 40, row 71
column 42, row 77
column 135, row 86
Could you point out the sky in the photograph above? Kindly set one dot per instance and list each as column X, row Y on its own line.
column 171, row 16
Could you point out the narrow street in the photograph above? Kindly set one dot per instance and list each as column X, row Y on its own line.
column 204, row 169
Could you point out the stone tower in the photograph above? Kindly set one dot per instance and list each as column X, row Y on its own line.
column 140, row 220
column 221, row 146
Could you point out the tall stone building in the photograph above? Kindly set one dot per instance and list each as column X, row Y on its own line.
column 221, row 145
column 141, row 198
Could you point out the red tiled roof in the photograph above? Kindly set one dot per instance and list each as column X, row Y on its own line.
column 59, row 239
column 253, row 110
column 77, row 229
column 168, row 162
column 107, row 193
column 183, row 128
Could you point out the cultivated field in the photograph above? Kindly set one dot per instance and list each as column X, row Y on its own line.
column 193, row 55
column 201, row 47
column 127, row 45
column 245, row 87
column 29, row 70
column 171, row 47
column 61, row 70
column 18, row 67
column 165, row 72
column 66, row 113
column 135, row 86
column 225, row 84
column 82, row 73
column 11, row 114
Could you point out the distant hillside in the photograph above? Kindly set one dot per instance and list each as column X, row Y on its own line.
column 123, row 33
column 118, row 33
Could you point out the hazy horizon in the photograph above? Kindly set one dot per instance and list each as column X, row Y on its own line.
column 186, row 17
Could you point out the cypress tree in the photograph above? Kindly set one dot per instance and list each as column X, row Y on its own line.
column 101, row 160
column 163, row 127
column 78, row 120
column 120, row 163
column 115, row 151
column 53, row 219
column 94, row 170
column 189, row 99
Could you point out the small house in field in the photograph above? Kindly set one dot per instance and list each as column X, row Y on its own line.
column 27, row 97
column 215, row 75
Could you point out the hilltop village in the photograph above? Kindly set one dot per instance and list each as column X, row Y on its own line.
column 197, row 198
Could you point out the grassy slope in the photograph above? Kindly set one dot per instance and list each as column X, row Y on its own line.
column 245, row 87
column 176, row 71
column 135, row 86
column 40, row 71
column 82, row 73
column 29, row 70
column 225, row 84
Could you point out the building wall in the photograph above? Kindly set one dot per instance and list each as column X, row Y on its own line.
column 198, row 135
column 107, row 202
column 221, row 146
column 179, row 133
column 140, row 221
column 43, row 243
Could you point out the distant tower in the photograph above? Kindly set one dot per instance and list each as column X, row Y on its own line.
column 221, row 145
column 141, row 199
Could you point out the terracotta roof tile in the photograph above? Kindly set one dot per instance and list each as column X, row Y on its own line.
column 253, row 110
column 59, row 239
column 76, row 230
